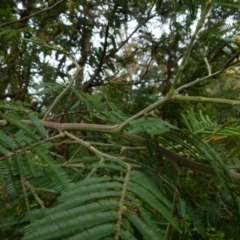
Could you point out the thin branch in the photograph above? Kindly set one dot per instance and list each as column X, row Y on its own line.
column 53, row 46
column 71, row 58
column 8, row 154
column 8, row 95
column 33, row 14
column 103, row 55
column 177, row 159
column 144, row 112
column 122, row 207
column 25, row 193
column 32, row 189
column 198, row 80
column 174, row 158
column 61, row 94
column 95, row 169
column 73, row 165
column 199, row 26
column 206, row 99
column 45, row 190
column 90, row 147
column 72, row 126
column 208, row 66
column 88, row 84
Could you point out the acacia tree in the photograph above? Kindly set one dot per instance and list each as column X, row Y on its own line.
column 95, row 140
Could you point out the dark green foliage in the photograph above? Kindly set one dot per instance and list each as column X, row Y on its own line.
column 105, row 132
column 93, row 205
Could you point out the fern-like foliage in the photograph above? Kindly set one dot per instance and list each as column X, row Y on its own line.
column 202, row 125
column 107, row 207
column 87, row 167
column 103, row 198
column 27, row 169
column 126, row 196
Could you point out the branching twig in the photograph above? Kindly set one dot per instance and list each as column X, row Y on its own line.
column 9, row 154
column 55, row 47
column 61, row 94
column 199, row 26
column 31, row 188
column 198, row 80
column 95, row 169
column 143, row 112
column 93, row 149
column 178, row 75
column 105, row 57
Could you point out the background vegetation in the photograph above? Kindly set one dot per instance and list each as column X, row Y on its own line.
column 119, row 119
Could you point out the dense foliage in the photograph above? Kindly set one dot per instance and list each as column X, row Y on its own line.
column 119, row 119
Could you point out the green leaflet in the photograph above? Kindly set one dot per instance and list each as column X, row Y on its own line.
column 97, row 232
column 91, row 206
column 37, row 124
column 13, row 119
column 147, row 232
column 59, row 176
